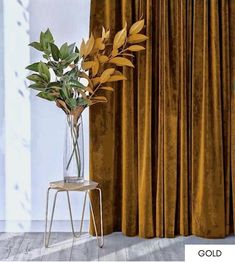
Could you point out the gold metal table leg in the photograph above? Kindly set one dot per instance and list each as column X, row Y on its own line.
column 100, row 241
column 47, row 239
column 71, row 216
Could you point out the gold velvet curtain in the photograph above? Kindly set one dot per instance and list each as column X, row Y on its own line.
column 163, row 147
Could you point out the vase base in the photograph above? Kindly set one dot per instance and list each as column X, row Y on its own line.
column 73, row 179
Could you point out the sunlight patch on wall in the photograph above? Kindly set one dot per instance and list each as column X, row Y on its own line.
column 17, row 113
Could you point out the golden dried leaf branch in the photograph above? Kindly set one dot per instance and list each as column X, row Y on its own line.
column 101, row 62
column 96, row 61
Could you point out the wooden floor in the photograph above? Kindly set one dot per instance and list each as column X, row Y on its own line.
column 117, row 247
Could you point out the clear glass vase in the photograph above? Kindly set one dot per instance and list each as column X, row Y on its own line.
column 73, row 151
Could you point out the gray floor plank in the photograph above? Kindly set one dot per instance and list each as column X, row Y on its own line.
column 170, row 249
column 59, row 249
column 117, row 247
column 138, row 249
column 30, row 248
column 84, row 249
column 114, row 248
column 9, row 247
column 6, row 243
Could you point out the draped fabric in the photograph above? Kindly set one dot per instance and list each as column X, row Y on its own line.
column 163, row 147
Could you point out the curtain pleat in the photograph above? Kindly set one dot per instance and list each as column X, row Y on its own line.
column 231, row 80
column 162, row 148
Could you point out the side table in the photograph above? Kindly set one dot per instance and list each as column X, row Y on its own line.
column 87, row 186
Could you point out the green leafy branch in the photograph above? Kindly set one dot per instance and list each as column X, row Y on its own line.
column 58, row 76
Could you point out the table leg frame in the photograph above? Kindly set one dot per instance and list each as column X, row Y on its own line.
column 47, row 234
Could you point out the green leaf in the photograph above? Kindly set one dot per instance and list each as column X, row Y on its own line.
column 75, row 83
column 35, row 78
column 46, row 56
column 55, row 84
column 48, row 36
column 33, row 67
column 65, row 92
column 83, row 102
column 52, row 64
column 72, row 73
column 57, row 68
column 58, row 71
column 42, row 40
column 71, row 58
column 36, row 45
column 45, row 39
column 71, row 102
column 42, row 35
column 44, row 71
column 37, row 87
column 62, row 95
column 55, row 52
column 45, row 77
column 46, row 96
column 64, row 51
column 71, row 48
column 77, row 59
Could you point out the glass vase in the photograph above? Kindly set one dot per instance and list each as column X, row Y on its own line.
column 73, row 151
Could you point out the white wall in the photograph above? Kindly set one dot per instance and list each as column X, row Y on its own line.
column 17, row 162
column 2, row 180
column 69, row 21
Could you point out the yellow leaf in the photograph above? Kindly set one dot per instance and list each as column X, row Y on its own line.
column 82, row 48
column 135, row 48
column 103, row 33
column 107, row 34
column 127, row 54
column 89, row 89
column 136, row 38
column 103, row 59
column 87, row 65
column 136, row 27
column 95, row 67
column 116, row 78
column 121, row 61
column 117, row 72
column 109, row 88
column 95, row 81
column 99, row 44
column 106, row 75
column 100, row 99
column 119, row 38
column 89, row 45
column 114, row 52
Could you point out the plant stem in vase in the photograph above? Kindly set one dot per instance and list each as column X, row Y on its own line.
column 73, row 150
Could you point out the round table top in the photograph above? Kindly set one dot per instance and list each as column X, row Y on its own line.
column 79, row 186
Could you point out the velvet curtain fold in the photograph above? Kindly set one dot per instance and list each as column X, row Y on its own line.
column 163, row 147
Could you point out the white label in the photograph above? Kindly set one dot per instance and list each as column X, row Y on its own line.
column 204, row 253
